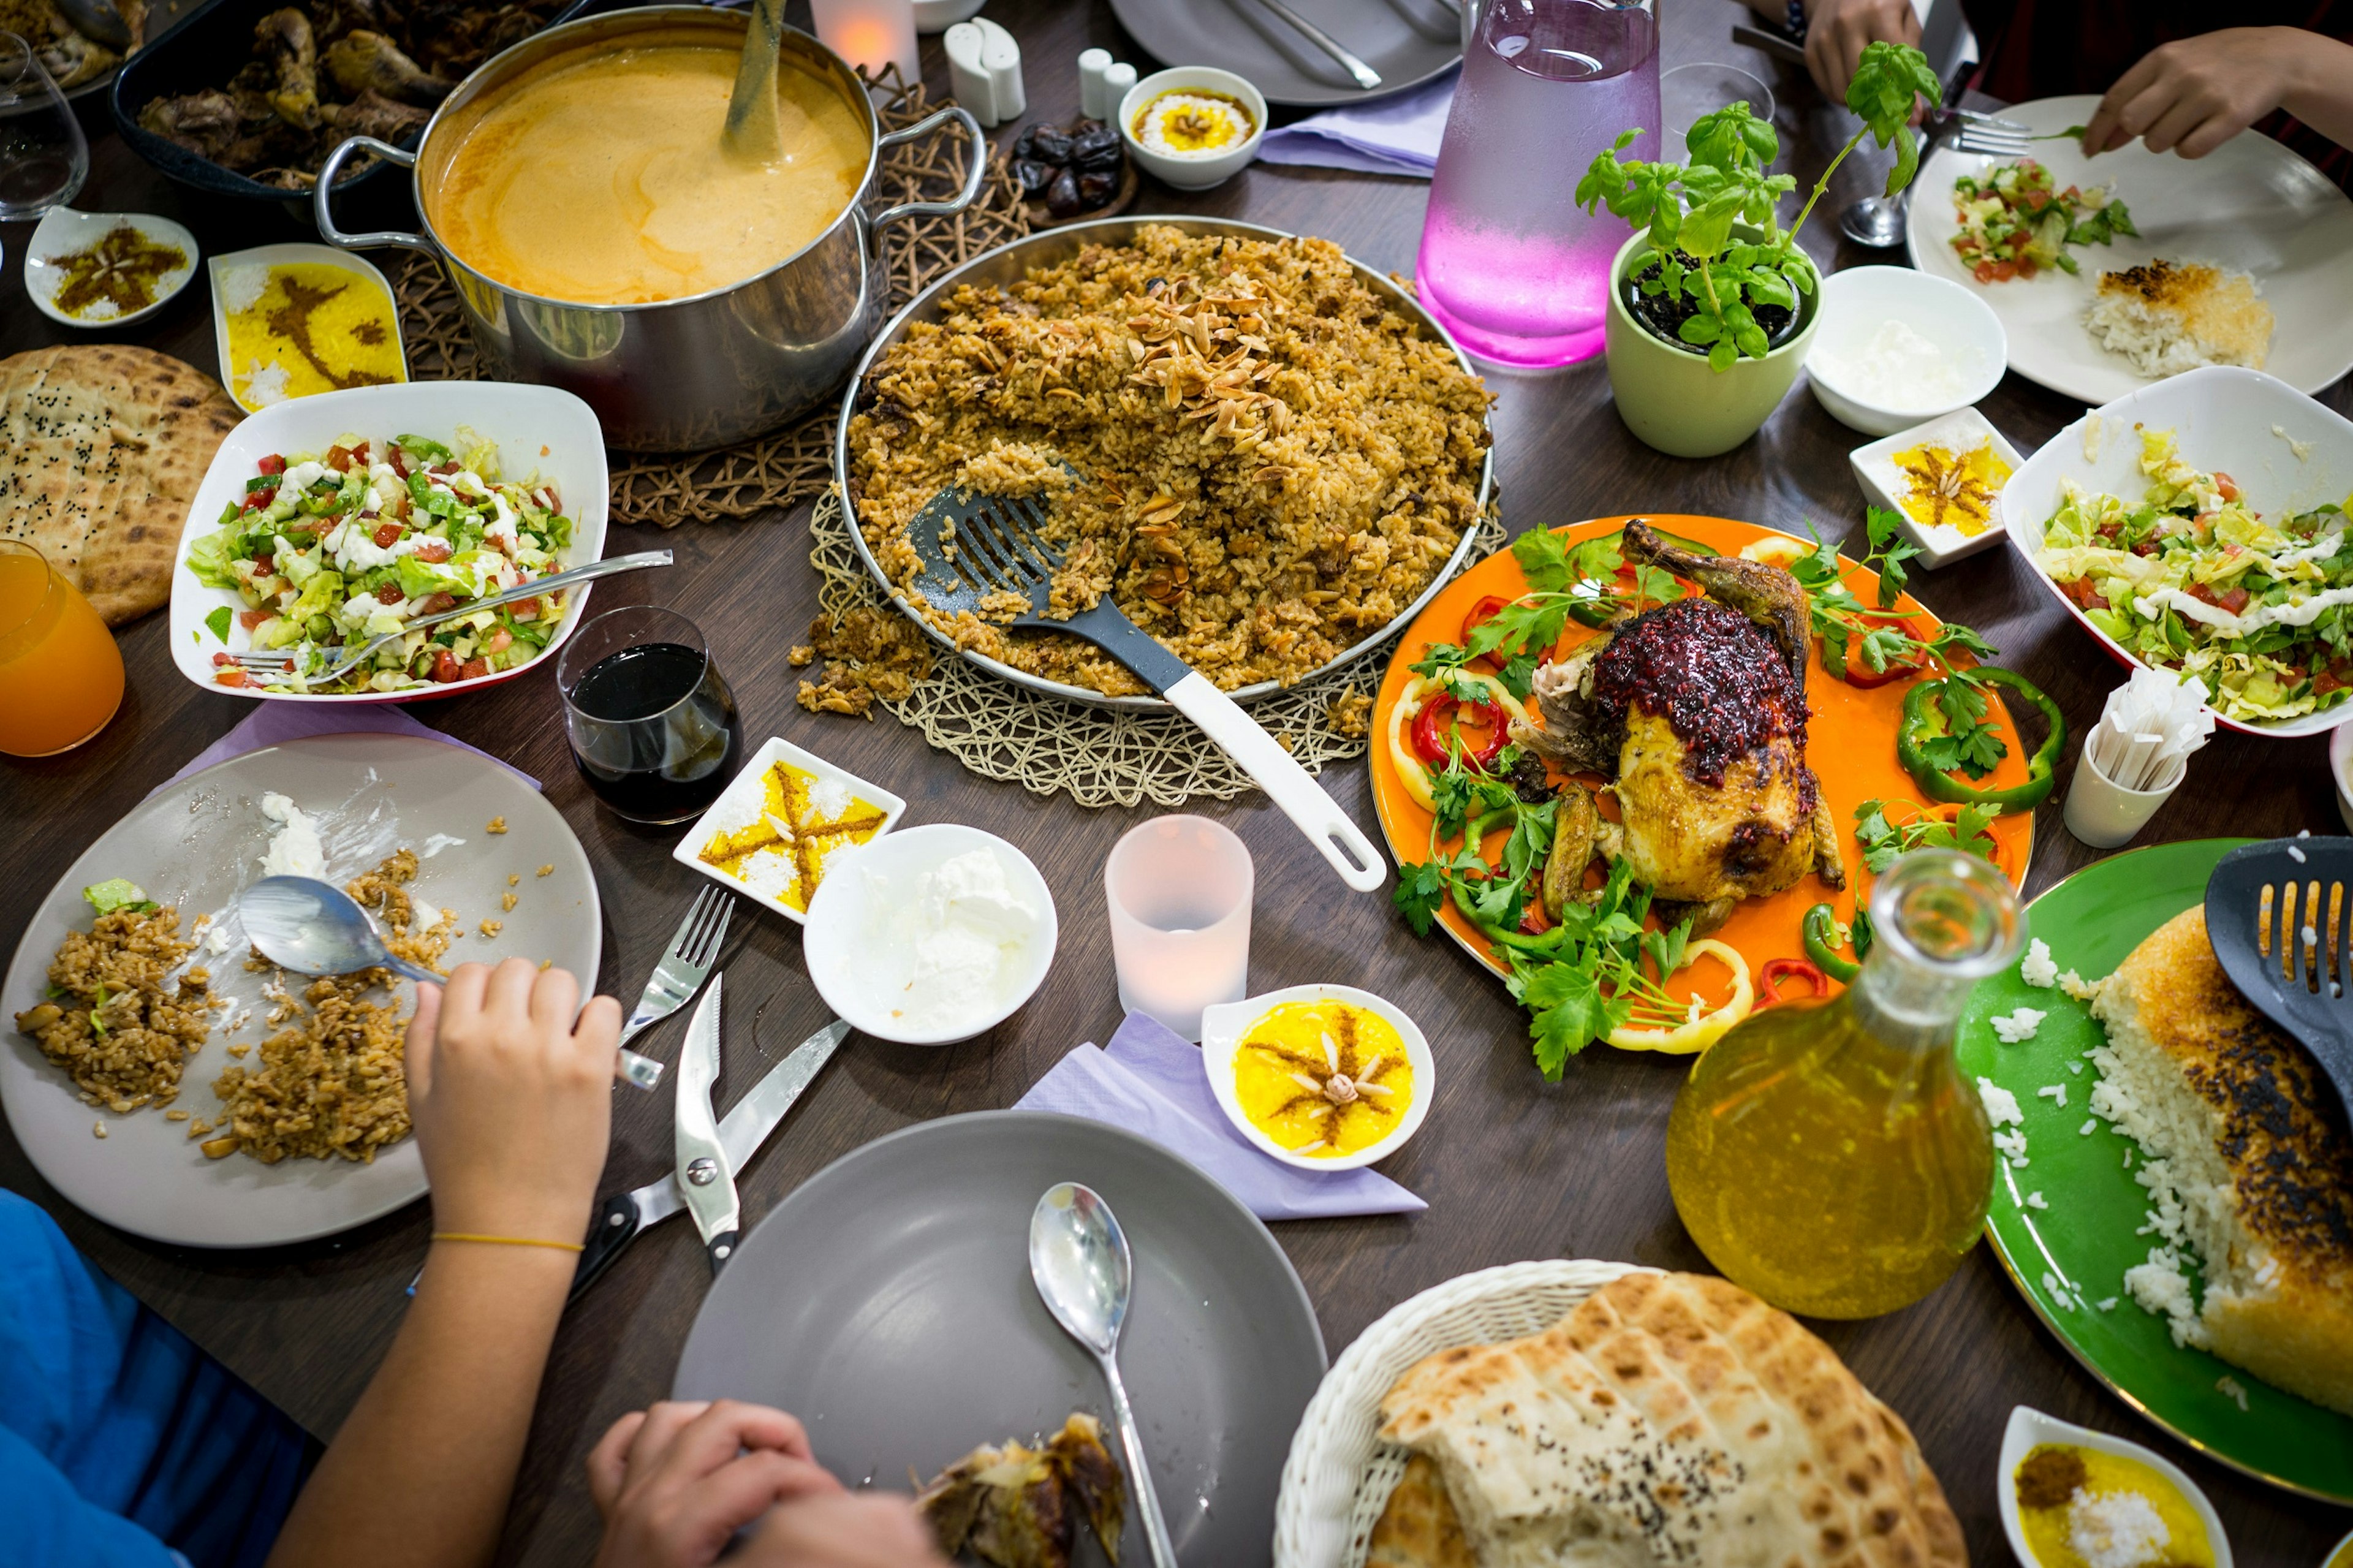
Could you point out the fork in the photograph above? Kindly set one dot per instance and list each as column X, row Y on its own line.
column 973, row 546
column 281, row 663
column 1994, row 138
column 676, row 977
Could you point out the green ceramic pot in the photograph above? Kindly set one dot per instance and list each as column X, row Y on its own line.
column 1670, row 397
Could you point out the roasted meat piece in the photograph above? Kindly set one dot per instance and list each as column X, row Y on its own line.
column 1019, row 1507
column 363, row 61
column 284, row 38
column 1696, row 711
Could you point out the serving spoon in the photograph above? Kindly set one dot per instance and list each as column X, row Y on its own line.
column 754, row 134
column 315, row 928
column 1080, row 1263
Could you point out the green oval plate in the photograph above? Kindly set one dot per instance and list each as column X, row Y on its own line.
column 2069, row 1257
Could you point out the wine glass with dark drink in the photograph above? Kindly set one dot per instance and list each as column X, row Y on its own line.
column 653, row 727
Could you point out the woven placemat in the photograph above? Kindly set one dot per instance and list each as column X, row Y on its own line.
column 795, row 463
column 1098, row 756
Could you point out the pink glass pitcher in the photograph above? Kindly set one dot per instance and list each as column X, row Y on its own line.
column 1509, row 263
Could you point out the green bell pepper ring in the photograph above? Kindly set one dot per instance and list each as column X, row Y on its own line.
column 1938, row 785
column 1819, row 933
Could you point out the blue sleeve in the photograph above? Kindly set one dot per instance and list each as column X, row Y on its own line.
column 49, row 1523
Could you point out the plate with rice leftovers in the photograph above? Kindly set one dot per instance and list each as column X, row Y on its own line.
column 173, row 1085
column 2242, row 257
column 2174, row 1192
column 1266, row 453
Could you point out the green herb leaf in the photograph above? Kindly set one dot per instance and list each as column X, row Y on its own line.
column 1421, row 889
column 1544, row 558
column 218, row 621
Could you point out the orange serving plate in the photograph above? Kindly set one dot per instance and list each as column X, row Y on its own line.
column 1850, row 743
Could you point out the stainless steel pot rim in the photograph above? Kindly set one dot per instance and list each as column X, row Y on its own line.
column 632, row 19
column 1112, row 230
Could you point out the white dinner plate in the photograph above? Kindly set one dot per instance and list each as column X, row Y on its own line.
column 2250, row 205
column 198, row 842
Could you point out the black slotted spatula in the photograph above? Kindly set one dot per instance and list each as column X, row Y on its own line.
column 2280, row 915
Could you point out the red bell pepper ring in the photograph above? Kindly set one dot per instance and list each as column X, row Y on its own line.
column 1481, row 614
column 1439, row 720
column 1779, row 969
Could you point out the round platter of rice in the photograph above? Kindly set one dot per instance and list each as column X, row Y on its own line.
column 1263, row 452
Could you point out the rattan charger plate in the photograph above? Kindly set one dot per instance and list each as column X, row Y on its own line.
column 1340, row 1474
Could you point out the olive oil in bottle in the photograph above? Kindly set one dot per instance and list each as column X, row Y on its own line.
column 1830, row 1156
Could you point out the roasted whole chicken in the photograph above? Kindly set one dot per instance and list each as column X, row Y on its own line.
column 1696, row 711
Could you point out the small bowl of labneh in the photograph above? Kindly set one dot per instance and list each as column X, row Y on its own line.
column 1193, row 126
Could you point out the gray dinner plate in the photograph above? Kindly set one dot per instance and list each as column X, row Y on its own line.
column 196, row 844
column 1407, row 41
column 888, row 1304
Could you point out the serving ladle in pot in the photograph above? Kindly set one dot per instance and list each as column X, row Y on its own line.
column 973, row 546
column 755, row 133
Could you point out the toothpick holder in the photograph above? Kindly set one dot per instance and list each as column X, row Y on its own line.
column 2103, row 813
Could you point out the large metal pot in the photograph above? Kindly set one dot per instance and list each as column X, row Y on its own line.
column 1007, row 265
column 682, row 375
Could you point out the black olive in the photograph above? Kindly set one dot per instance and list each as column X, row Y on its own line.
column 1062, row 196
column 1052, row 145
column 1033, row 176
column 1095, row 189
column 1092, row 150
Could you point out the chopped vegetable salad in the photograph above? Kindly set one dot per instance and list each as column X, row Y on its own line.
column 2013, row 224
column 2192, row 579
column 359, row 543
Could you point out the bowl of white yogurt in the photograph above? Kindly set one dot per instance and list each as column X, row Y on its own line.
column 1897, row 347
column 929, row 936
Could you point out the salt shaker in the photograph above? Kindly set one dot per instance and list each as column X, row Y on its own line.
column 1002, row 55
column 1093, row 63
column 1117, row 80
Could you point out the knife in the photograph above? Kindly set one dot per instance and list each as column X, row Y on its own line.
column 705, row 1178
column 742, row 1132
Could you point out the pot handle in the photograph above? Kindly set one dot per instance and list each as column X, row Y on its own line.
column 978, row 171
column 322, row 190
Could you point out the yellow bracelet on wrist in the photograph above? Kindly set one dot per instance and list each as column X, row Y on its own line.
column 507, row 1240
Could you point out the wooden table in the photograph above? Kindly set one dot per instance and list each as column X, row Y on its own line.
column 1512, row 1167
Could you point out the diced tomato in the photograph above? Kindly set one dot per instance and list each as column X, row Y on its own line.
column 432, row 551
column 232, row 677
column 390, row 594
column 386, row 534
column 499, row 641
column 221, row 659
column 2146, row 548
column 272, row 464
column 1983, row 271
column 338, row 459
column 474, row 668
column 2228, row 486
column 2003, row 271
column 2329, row 680
column 445, row 667
column 2027, row 269
column 256, row 499
column 524, row 609
column 398, row 460
column 2082, row 591
column 249, row 619
column 264, row 564
column 434, row 603
column 2232, row 600
column 443, row 470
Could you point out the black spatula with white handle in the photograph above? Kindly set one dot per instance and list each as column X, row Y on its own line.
column 2280, row 915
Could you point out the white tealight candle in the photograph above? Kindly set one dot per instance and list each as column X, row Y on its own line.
column 871, row 34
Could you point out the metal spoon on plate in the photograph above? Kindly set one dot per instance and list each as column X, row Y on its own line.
column 1078, row 1261
column 315, row 928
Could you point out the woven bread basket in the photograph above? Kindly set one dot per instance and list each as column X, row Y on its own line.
column 1340, row 1475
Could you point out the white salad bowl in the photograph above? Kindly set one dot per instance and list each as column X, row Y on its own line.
column 2286, row 452
column 2030, row 1427
column 538, row 427
column 1857, row 302
column 1224, row 1024
column 872, row 889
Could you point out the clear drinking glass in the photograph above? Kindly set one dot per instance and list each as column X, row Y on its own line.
column 1179, row 889
column 43, row 158
column 1689, row 91
column 1516, row 271
column 653, row 728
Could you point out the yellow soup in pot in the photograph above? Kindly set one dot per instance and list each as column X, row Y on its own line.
column 602, row 180
column 1323, row 1078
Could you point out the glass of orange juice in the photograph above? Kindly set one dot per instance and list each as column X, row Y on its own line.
column 60, row 673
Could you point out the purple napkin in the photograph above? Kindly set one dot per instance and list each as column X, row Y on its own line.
column 1150, row 1082
column 275, row 723
column 1398, row 135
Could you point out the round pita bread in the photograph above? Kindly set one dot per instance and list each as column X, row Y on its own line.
column 101, row 449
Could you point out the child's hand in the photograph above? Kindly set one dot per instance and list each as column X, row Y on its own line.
column 512, row 1098
column 676, row 1482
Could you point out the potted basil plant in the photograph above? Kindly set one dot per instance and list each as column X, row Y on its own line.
column 1713, row 304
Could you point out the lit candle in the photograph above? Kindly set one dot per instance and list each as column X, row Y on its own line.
column 870, row 34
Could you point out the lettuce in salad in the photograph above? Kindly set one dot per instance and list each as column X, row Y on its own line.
column 2191, row 578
